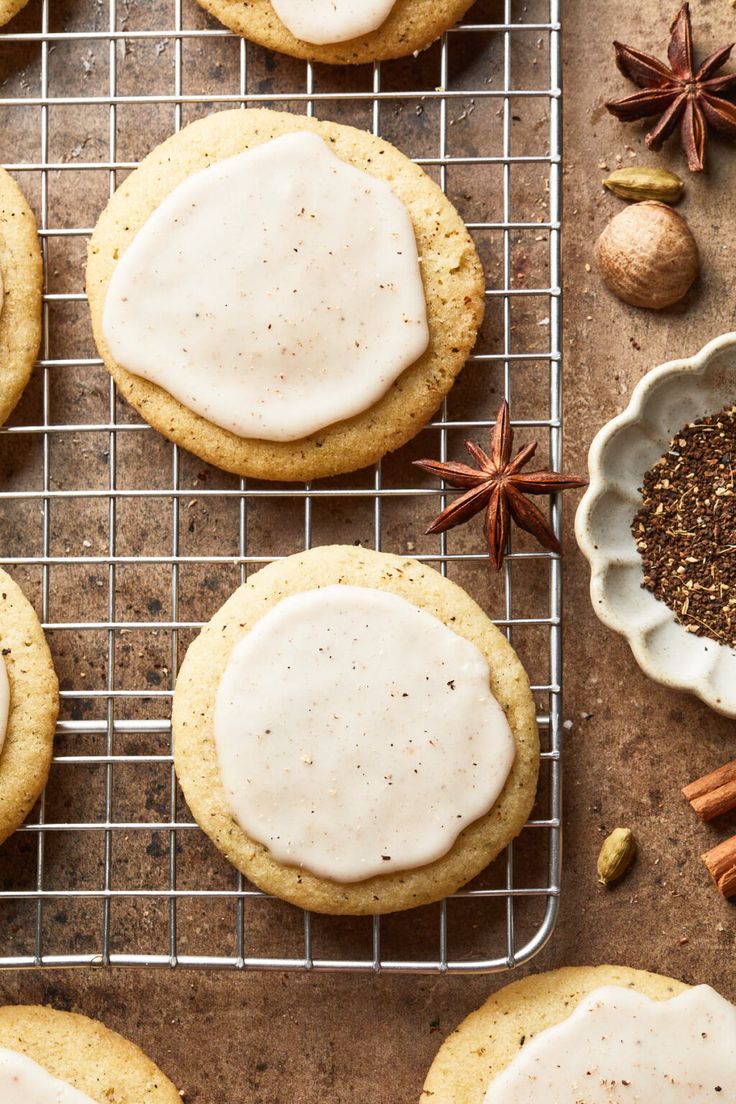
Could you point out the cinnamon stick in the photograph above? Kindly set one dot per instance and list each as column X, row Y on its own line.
column 721, row 864
column 715, row 793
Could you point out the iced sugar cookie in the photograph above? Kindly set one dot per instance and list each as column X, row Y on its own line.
column 603, row 1034
column 340, row 32
column 21, row 285
column 29, row 705
column 286, row 298
column 354, row 734
column 49, row 1057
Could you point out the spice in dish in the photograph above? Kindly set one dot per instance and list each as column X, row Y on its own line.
column 686, row 528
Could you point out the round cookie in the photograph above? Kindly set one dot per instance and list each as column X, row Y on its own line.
column 34, row 705
column 413, row 25
column 86, row 1055
column 22, row 277
column 488, row 1040
column 9, row 8
column 195, row 755
column 453, row 282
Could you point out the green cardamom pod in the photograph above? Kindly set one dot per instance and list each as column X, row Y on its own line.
column 638, row 184
column 617, row 854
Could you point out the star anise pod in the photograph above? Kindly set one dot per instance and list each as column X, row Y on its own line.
column 498, row 486
column 693, row 99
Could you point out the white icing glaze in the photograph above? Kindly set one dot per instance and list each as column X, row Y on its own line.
column 357, row 735
column 322, row 22
column 620, row 1047
column 275, row 293
column 23, row 1081
column 4, row 700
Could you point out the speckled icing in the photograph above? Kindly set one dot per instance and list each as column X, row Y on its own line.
column 621, row 1047
column 357, row 734
column 274, row 293
column 323, row 22
column 23, row 1081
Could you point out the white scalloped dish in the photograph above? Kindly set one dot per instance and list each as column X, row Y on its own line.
column 665, row 399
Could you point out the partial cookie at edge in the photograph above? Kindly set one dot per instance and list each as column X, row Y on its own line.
column 22, row 277
column 86, row 1055
column 453, row 282
column 412, row 26
column 34, row 705
column 196, row 759
column 9, row 8
column 489, row 1039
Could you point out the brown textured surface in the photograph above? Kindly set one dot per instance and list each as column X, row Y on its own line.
column 268, row 1039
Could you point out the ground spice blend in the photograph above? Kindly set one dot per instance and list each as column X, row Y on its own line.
column 686, row 528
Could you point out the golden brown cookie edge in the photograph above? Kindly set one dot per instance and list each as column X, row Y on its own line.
column 87, row 1055
column 412, row 27
column 34, row 705
column 451, row 267
column 488, row 1039
column 195, row 756
column 22, row 272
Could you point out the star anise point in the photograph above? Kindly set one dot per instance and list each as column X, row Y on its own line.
column 499, row 487
column 679, row 93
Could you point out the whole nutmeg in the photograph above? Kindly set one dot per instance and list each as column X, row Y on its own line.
column 648, row 256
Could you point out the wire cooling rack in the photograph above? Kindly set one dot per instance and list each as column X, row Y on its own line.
column 127, row 544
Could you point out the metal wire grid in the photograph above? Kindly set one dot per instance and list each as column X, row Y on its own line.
column 32, row 903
